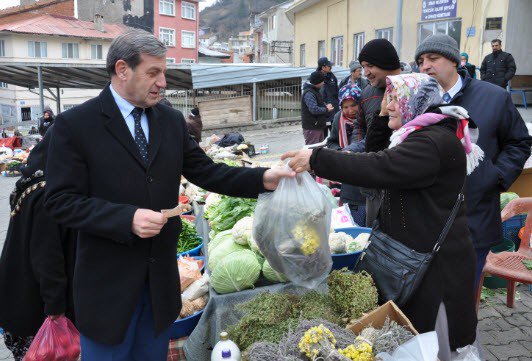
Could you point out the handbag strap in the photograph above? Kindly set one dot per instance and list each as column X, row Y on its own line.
column 450, row 220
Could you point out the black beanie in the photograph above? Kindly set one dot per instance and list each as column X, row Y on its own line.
column 381, row 53
column 316, row 78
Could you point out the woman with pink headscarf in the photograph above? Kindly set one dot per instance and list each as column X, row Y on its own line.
column 420, row 155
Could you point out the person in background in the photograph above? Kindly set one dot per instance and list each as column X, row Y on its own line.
column 46, row 120
column 17, row 133
column 33, row 130
column 314, row 111
column 498, row 67
column 329, row 90
column 37, row 261
column 464, row 62
column 354, row 77
column 503, row 137
column 194, row 124
column 341, row 139
column 379, row 59
column 4, row 134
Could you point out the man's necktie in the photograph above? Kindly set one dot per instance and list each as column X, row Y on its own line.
column 140, row 137
column 446, row 97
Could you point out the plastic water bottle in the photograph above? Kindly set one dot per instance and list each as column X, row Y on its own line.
column 225, row 349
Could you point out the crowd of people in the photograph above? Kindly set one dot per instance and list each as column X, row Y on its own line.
column 86, row 237
column 404, row 145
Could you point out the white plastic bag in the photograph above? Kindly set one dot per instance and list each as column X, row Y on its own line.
column 197, row 289
column 291, row 227
column 341, row 217
column 467, row 353
column 422, row 347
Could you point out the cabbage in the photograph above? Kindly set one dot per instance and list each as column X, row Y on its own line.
column 216, row 240
column 506, row 197
column 236, row 272
column 254, row 246
column 272, row 275
column 224, row 248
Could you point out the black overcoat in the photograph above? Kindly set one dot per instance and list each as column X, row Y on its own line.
column 99, row 181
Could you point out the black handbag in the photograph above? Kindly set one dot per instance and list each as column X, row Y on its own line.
column 396, row 269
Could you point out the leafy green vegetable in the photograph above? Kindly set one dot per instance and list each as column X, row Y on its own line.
column 223, row 249
column 272, row 275
column 188, row 238
column 235, row 272
column 224, row 214
column 352, row 294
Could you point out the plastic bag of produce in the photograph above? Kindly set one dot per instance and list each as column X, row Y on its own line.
column 56, row 340
column 291, row 228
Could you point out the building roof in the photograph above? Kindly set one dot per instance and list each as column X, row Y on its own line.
column 299, row 6
column 62, row 26
column 17, row 9
column 245, row 33
column 203, row 51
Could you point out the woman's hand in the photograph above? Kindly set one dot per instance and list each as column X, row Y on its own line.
column 300, row 161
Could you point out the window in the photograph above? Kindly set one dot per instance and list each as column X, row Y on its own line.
column 385, row 34
column 188, row 39
column 272, row 22
column 358, row 44
column 3, row 85
column 188, row 11
column 493, row 23
column 321, row 48
column 2, row 48
column 302, row 55
column 170, row 60
column 37, row 49
column 167, row 36
column 188, row 61
column 96, row 51
column 451, row 28
column 337, row 50
column 166, row 7
column 70, row 51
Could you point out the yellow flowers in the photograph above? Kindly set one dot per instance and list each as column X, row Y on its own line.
column 315, row 338
column 308, row 236
column 360, row 352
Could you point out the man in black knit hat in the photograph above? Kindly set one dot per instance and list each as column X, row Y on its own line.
column 379, row 59
column 314, row 111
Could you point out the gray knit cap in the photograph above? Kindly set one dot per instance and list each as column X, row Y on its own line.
column 439, row 44
column 354, row 65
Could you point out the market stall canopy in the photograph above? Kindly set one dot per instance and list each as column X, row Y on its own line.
column 178, row 76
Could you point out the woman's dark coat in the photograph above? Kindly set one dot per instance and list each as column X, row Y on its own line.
column 421, row 178
column 37, row 262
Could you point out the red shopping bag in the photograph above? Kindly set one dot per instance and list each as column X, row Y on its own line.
column 57, row 340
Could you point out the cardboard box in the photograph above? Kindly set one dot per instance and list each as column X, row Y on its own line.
column 377, row 317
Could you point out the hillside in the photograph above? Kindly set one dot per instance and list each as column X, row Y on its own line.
column 228, row 17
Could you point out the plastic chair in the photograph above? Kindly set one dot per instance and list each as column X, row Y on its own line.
column 508, row 265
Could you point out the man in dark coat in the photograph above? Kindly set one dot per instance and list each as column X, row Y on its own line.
column 503, row 136
column 329, row 90
column 314, row 111
column 117, row 161
column 355, row 76
column 379, row 59
column 37, row 262
column 498, row 67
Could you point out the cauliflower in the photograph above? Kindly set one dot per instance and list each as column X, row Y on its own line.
column 242, row 231
column 337, row 242
column 357, row 244
column 211, row 199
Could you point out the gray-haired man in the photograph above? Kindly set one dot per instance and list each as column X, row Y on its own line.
column 114, row 163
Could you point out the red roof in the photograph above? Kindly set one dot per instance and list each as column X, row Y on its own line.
column 63, row 26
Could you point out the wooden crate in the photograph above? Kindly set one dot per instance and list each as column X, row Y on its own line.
column 377, row 317
column 233, row 111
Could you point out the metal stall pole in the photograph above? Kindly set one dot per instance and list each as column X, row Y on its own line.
column 254, row 101
column 41, row 89
column 58, row 100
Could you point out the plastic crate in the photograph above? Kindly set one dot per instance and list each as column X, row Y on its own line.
column 348, row 260
column 185, row 326
column 511, row 227
column 194, row 251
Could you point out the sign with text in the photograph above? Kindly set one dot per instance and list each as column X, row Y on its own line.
column 438, row 9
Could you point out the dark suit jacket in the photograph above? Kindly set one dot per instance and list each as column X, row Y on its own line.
column 99, row 181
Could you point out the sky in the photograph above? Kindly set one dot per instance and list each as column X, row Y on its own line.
column 202, row 4
column 8, row 3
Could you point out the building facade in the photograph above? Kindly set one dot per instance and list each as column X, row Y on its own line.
column 339, row 29
column 276, row 39
column 176, row 23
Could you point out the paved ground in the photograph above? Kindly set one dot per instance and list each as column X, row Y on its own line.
column 505, row 334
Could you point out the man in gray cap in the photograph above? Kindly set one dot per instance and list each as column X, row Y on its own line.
column 355, row 76
column 503, row 137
